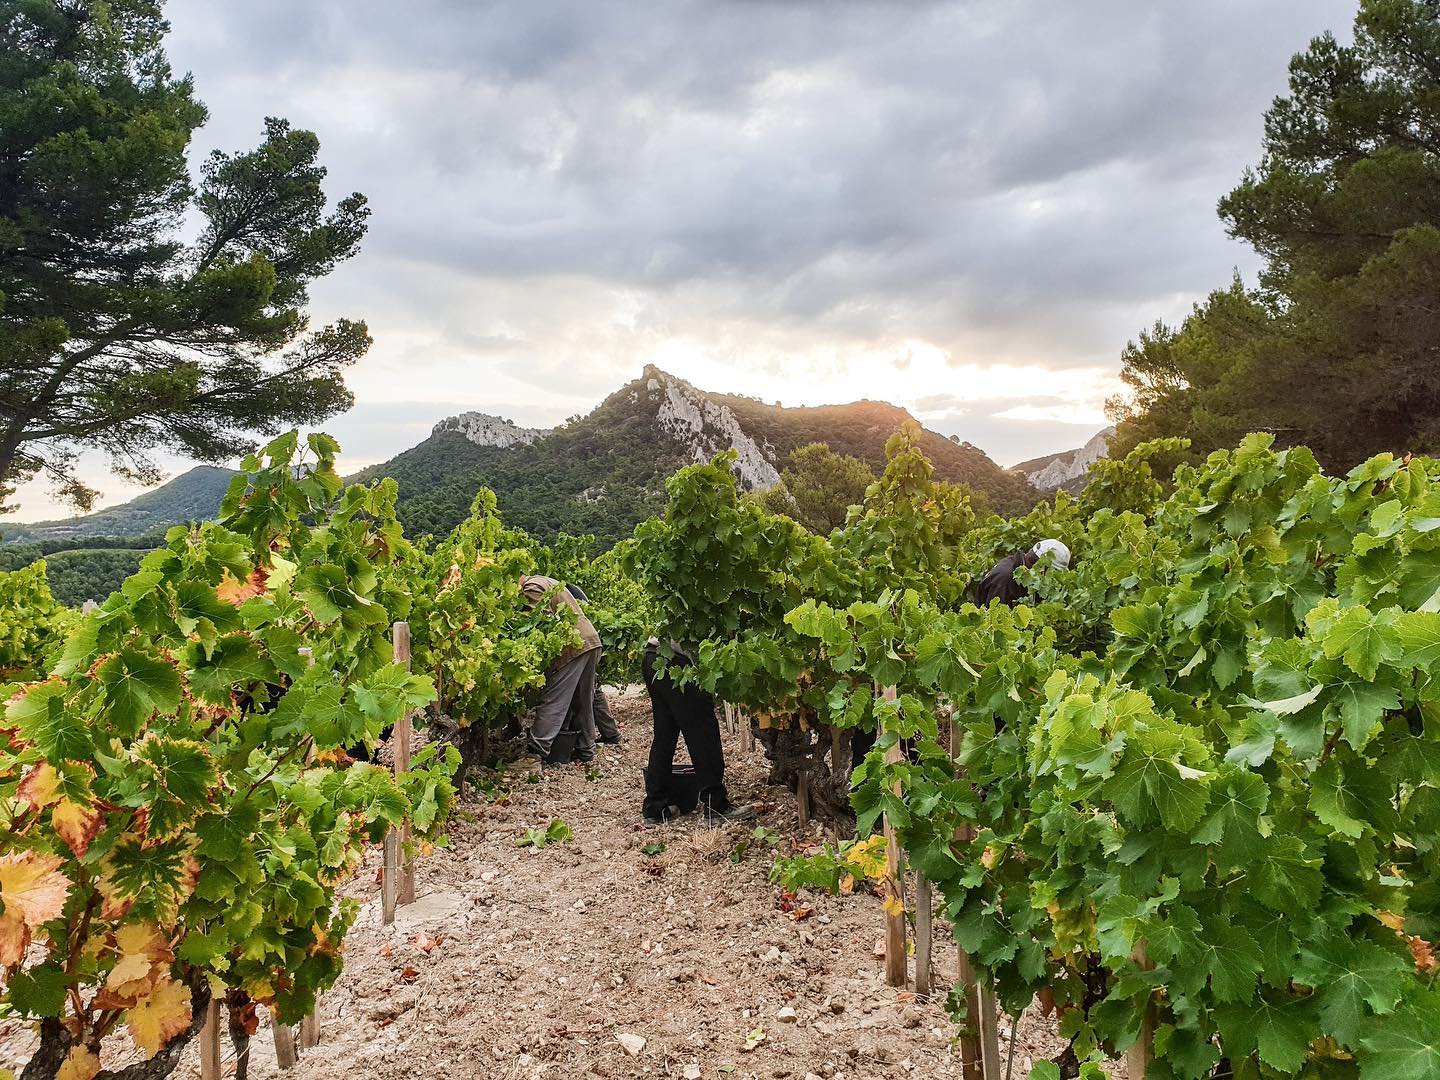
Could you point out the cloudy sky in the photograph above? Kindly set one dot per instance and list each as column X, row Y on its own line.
column 963, row 207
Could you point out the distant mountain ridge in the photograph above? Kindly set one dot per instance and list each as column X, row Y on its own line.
column 605, row 472
column 1068, row 468
column 601, row 473
column 194, row 495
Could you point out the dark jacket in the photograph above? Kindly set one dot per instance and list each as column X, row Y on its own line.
column 1000, row 584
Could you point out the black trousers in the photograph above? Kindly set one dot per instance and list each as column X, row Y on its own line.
column 687, row 712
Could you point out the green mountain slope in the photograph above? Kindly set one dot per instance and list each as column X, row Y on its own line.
column 860, row 430
column 600, row 474
column 605, row 472
column 192, row 496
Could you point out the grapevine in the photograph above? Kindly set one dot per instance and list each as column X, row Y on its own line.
column 178, row 809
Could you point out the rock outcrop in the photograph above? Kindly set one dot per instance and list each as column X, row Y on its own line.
column 482, row 429
column 1066, row 469
column 705, row 428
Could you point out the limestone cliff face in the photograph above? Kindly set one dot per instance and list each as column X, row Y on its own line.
column 1067, row 469
column 704, row 428
column 482, row 429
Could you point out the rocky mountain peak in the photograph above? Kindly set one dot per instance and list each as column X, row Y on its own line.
column 1065, row 469
column 483, row 429
column 704, row 427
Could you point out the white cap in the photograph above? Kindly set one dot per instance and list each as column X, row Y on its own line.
column 1054, row 548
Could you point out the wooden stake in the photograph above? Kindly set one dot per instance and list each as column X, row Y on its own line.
column 285, row 1056
column 1142, row 1051
column 896, row 963
column 802, row 798
column 991, row 1066
column 971, row 1056
column 390, row 877
column 210, row 1042
column 972, row 1048
column 404, row 735
column 310, row 1030
column 309, row 1022
column 924, row 915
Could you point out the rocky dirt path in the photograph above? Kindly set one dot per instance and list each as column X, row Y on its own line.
column 591, row 958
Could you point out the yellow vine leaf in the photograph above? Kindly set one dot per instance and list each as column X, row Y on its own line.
column 32, row 887
column 234, row 591
column 41, row 786
column 867, row 857
column 893, row 906
column 142, row 948
column 158, row 1018
column 77, row 825
column 14, row 939
column 81, row 1063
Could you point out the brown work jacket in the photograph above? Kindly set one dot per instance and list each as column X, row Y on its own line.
column 536, row 587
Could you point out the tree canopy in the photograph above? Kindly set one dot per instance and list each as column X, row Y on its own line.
column 1338, row 345
column 116, row 332
column 817, row 488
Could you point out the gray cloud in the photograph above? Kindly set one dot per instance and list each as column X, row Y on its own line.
column 562, row 189
column 952, row 164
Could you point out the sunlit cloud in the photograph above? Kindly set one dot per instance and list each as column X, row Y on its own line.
column 963, row 208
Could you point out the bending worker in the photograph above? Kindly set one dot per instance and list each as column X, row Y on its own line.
column 1000, row 584
column 569, row 680
column 606, row 730
column 687, row 711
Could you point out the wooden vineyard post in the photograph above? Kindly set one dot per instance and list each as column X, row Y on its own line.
column 404, row 736
column 802, row 788
column 1142, row 1051
column 990, row 1063
column 310, row 1029
column 285, row 1056
column 210, row 1042
column 389, row 877
column 310, row 1026
column 924, row 917
column 896, row 962
column 397, row 875
column 980, row 1045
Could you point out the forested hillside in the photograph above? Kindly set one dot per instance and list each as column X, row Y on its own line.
column 604, row 473
column 194, row 495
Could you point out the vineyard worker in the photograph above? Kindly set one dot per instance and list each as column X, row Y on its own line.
column 1000, row 584
column 690, row 712
column 569, row 680
column 606, row 730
